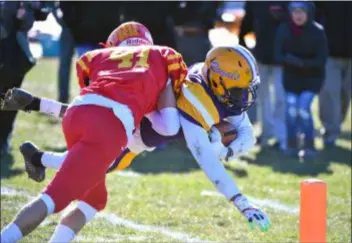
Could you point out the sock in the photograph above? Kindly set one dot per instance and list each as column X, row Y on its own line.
column 34, row 105
column 37, row 159
column 62, row 234
column 53, row 160
column 10, row 234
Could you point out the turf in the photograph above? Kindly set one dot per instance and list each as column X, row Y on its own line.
column 168, row 192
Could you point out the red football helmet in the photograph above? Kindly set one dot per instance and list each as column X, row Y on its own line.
column 130, row 34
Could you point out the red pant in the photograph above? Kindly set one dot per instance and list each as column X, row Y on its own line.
column 94, row 137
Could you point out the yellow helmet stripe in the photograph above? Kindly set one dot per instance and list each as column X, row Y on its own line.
column 196, row 94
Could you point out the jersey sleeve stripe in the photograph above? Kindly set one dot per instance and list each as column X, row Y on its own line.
column 173, row 56
column 89, row 57
column 197, row 96
column 173, row 67
column 188, row 109
column 82, row 65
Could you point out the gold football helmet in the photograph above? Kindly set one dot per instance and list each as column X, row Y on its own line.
column 232, row 75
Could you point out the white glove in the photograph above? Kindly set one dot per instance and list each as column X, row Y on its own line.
column 254, row 215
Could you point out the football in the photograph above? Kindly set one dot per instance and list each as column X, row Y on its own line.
column 227, row 131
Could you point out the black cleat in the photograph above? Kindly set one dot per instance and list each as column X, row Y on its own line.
column 35, row 172
column 16, row 99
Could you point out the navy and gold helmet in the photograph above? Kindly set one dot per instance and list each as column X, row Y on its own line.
column 232, row 75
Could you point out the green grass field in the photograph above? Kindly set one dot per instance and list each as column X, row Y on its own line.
column 168, row 196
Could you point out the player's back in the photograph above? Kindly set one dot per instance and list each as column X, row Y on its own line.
column 133, row 75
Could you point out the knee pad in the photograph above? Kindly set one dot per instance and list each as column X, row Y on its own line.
column 88, row 211
column 49, row 202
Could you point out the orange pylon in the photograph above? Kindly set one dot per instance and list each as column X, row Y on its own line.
column 313, row 206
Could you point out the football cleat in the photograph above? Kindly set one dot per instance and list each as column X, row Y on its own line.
column 36, row 173
column 16, row 99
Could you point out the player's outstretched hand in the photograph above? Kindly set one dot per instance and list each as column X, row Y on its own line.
column 16, row 99
column 254, row 215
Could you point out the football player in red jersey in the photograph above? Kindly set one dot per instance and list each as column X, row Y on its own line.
column 120, row 84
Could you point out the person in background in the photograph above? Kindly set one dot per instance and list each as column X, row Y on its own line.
column 335, row 96
column 158, row 19
column 301, row 48
column 84, row 25
column 263, row 18
column 67, row 47
column 193, row 21
column 16, row 18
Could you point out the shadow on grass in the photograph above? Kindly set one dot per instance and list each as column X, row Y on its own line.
column 312, row 167
column 175, row 158
column 6, row 167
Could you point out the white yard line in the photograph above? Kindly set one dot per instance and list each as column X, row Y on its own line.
column 113, row 238
column 115, row 220
column 277, row 206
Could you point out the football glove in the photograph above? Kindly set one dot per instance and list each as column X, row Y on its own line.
column 16, row 99
column 254, row 215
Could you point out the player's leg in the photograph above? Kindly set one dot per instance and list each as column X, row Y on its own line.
column 92, row 202
column 29, row 218
column 36, row 161
column 82, row 161
column 20, row 99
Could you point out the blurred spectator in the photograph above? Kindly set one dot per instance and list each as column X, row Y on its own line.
column 67, row 46
column 193, row 21
column 263, row 18
column 16, row 18
column 301, row 47
column 335, row 96
column 84, row 26
column 156, row 16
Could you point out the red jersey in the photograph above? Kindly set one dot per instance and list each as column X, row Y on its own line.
column 133, row 76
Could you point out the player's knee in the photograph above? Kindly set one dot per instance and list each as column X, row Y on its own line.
column 49, row 203
column 88, row 211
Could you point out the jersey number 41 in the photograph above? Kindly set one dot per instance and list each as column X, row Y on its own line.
column 132, row 58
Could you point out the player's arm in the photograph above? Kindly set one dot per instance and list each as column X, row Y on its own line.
column 20, row 99
column 83, row 68
column 165, row 120
column 245, row 136
column 201, row 148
